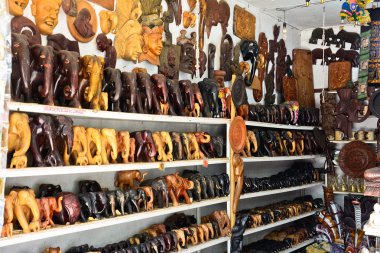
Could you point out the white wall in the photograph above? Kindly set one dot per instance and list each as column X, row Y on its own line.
column 264, row 23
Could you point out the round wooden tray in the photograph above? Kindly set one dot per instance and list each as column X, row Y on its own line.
column 238, row 134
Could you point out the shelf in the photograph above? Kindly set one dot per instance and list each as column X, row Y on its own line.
column 86, row 113
column 205, row 245
column 299, row 246
column 347, row 193
column 278, row 191
column 344, row 142
column 280, row 126
column 81, row 227
column 280, row 158
column 65, row 170
column 279, row 223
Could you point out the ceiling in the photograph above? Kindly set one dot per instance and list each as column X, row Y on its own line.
column 300, row 16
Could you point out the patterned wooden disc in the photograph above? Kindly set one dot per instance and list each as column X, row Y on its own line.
column 238, row 134
column 356, row 157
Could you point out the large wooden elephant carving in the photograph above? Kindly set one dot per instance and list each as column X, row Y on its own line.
column 109, row 146
column 112, row 86
column 177, row 187
column 78, row 154
column 90, row 88
column 145, row 148
column 64, row 135
column 66, row 79
column 41, row 80
column 94, row 146
column 164, row 146
column 19, row 137
column 124, row 146
column 43, row 144
column 26, row 209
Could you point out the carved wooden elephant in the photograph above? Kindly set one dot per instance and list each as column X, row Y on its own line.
column 145, row 148
column 160, row 190
column 64, row 134
column 78, row 155
column 124, row 146
column 19, row 136
column 109, row 145
column 130, row 101
column 66, row 79
column 194, row 150
column 41, row 80
column 25, row 206
column 7, row 229
column 112, row 86
column 43, row 144
column 125, row 179
column 90, row 88
column 175, row 98
column 149, row 197
column 161, row 92
column 47, row 207
column 93, row 204
column 94, row 146
column 146, row 92
column 177, row 187
column 177, row 146
column 70, row 209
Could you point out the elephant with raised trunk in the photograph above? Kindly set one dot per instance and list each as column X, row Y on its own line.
column 112, row 86
column 20, row 78
column 66, row 79
column 41, row 79
column 90, row 88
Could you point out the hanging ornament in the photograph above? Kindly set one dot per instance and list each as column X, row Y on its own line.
column 354, row 11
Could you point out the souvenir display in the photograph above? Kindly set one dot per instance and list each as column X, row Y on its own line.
column 128, row 37
column 151, row 11
column 45, row 20
column 244, row 24
column 355, row 12
column 152, row 46
column 356, row 157
column 303, row 72
column 108, row 21
column 84, row 25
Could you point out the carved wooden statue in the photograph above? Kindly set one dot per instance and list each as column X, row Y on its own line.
column 105, row 45
column 45, row 13
column 238, row 168
column 108, row 21
column 128, row 38
column 79, row 151
column 152, row 48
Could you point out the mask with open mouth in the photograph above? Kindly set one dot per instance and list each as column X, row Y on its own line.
column 17, row 7
column 45, row 13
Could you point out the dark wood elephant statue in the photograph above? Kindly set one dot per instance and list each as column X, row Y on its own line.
column 130, row 101
column 93, row 204
column 160, row 190
column 43, row 145
column 66, row 76
column 112, row 85
column 175, row 97
column 210, row 91
column 145, row 148
column 146, row 92
column 162, row 94
column 20, row 77
column 64, row 134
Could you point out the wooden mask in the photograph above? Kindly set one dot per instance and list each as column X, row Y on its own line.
column 45, row 13
column 84, row 26
column 151, row 13
column 152, row 44
column 244, row 24
column 128, row 39
column 169, row 61
column 188, row 55
column 17, row 7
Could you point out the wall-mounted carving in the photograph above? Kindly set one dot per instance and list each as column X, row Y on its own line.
column 70, row 7
column 189, row 19
column 244, row 24
column 169, row 61
column 45, row 13
column 151, row 13
column 17, row 7
column 108, row 21
column 128, row 38
column 187, row 59
column 152, row 48
column 84, row 25
column 339, row 74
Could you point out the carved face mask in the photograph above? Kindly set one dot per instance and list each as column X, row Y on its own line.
column 249, row 49
column 187, row 60
column 45, row 13
column 17, row 7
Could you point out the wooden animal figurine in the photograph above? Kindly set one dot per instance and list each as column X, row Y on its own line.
column 109, row 146
column 145, row 148
column 124, row 145
column 348, row 55
column 94, row 146
column 108, row 21
column 193, row 150
column 46, row 14
column 90, row 87
column 26, row 209
column 350, row 37
column 7, row 229
column 317, row 33
column 125, row 179
column 79, row 150
column 319, row 53
column 149, row 196
column 19, row 137
column 177, row 187
column 159, row 147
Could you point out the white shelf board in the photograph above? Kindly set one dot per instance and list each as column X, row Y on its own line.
column 65, row 170
column 278, row 191
column 205, row 245
column 279, row 223
column 345, row 142
column 347, row 193
column 279, row 158
column 299, row 246
column 86, row 113
column 280, row 126
column 81, row 227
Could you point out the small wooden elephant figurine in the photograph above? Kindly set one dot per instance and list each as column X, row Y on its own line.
column 19, row 136
column 78, row 155
column 109, row 145
column 94, row 146
column 125, row 179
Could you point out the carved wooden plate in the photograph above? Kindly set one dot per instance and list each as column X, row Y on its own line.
column 238, row 134
column 356, row 157
column 82, row 15
column 374, row 103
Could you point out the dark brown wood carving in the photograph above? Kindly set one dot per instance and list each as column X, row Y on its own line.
column 226, row 49
column 303, row 72
column 339, row 74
